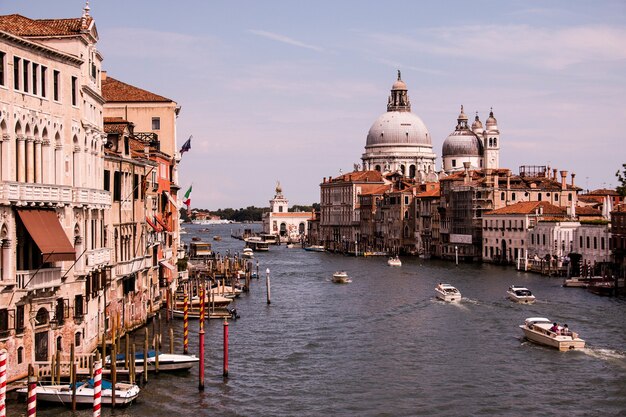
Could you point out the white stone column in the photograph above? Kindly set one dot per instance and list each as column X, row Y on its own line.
column 30, row 159
column 47, row 163
column 58, row 165
column 20, row 156
column 38, row 163
column 6, row 261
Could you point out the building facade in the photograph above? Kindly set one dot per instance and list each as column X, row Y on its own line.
column 279, row 221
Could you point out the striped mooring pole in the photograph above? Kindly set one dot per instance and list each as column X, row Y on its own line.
column 3, row 382
column 32, row 394
column 186, row 325
column 97, row 387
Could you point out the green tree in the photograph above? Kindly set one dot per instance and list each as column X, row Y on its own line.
column 621, row 177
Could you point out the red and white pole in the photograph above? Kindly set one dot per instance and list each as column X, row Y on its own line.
column 97, row 388
column 201, row 361
column 186, row 325
column 31, row 406
column 225, row 347
column 202, row 307
column 3, row 382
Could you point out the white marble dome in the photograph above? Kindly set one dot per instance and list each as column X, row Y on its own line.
column 398, row 128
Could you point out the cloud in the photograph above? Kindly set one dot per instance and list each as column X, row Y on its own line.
column 523, row 45
column 285, row 39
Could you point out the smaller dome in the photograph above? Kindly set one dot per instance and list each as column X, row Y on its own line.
column 491, row 121
column 462, row 143
column 399, row 84
column 462, row 115
column 477, row 125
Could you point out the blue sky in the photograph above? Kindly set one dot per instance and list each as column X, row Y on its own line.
column 287, row 90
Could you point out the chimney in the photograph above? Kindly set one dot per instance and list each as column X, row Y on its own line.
column 563, row 177
column 466, row 166
column 508, row 180
column 554, row 174
column 324, row 180
column 103, row 75
column 573, row 175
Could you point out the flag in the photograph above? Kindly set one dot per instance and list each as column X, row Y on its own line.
column 187, row 200
column 186, row 146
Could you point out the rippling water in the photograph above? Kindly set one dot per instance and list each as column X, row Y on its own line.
column 383, row 346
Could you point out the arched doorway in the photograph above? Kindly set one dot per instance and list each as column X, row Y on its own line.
column 503, row 251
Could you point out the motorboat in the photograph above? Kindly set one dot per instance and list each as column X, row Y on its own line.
column 209, row 313
column 315, row 248
column 257, row 244
column 447, row 292
column 394, row 261
column 167, row 361
column 520, row 295
column 543, row 331
column 217, row 238
column 341, row 277
column 576, row 282
column 247, row 253
column 62, row 393
column 214, row 298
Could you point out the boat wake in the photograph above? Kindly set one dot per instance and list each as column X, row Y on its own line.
column 607, row 355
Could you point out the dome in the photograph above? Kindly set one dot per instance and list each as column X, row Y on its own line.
column 462, row 143
column 492, row 123
column 477, row 125
column 398, row 128
column 399, row 85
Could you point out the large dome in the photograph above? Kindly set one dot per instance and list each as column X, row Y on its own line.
column 462, row 143
column 398, row 128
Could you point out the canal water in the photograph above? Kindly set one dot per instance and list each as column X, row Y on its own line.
column 383, row 346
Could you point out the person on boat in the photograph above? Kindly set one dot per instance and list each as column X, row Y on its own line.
column 565, row 331
column 555, row 328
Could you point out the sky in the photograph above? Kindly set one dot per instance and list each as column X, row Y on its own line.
column 287, row 90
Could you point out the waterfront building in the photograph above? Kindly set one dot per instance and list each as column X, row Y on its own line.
column 398, row 141
column 592, row 240
column 477, row 146
column 395, row 217
column 52, row 200
column 153, row 118
column 618, row 238
column 340, row 207
column 369, row 239
column 427, row 220
column 506, row 230
column 279, row 221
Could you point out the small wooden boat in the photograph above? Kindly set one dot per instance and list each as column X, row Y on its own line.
column 541, row 330
column 341, row 277
column 167, row 361
column 62, row 393
column 447, row 292
column 394, row 261
column 217, row 238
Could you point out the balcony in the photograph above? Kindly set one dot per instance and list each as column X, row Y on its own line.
column 35, row 193
column 91, row 196
column 39, row 279
column 97, row 257
column 130, row 267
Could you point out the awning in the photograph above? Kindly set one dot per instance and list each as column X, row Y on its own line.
column 46, row 230
column 171, row 200
column 162, row 223
column 168, row 265
column 151, row 223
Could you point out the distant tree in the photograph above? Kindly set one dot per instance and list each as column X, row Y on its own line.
column 621, row 177
column 183, row 214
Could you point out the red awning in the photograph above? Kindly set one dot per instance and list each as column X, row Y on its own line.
column 162, row 223
column 154, row 226
column 46, row 230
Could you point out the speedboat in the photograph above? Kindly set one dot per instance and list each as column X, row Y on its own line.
column 394, row 261
column 341, row 277
column 576, row 282
column 447, row 292
column 315, row 248
column 167, row 361
column 541, row 330
column 62, row 393
column 247, row 253
column 520, row 295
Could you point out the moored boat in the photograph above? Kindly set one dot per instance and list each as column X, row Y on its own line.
column 62, row 393
column 394, row 261
column 315, row 248
column 341, row 277
column 447, row 292
column 247, row 253
column 543, row 331
column 520, row 295
column 167, row 361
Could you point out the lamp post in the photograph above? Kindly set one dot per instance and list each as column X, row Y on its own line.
column 456, row 254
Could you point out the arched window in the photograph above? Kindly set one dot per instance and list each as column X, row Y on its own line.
column 406, row 214
column 77, row 339
column 502, row 196
column 412, row 171
column 377, row 168
column 42, row 317
column 402, row 169
column 301, row 228
column 495, row 142
column 59, row 343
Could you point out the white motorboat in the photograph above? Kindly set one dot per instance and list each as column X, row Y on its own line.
column 341, row 277
column 62, row 393
column 167, row 361
column 247, row 253
column 315, row 248
column 394, row 261
column 543, row 331
column 576, row 282
column 447, row 292
column 520, row 295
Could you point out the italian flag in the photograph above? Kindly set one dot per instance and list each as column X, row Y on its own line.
column 187, row 200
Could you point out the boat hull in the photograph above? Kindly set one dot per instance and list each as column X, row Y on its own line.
column 522, row 300
column 562, row 343
column 62, row 394
column 167, row 362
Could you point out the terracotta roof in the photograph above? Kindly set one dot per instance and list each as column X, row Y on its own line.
column 117, row 91
column 23, row 26
column 529, row 207
column 381, row 189
column 360, row 176
column 587, row 211
column 436, row 192
column 115, row 125
column 602, row 192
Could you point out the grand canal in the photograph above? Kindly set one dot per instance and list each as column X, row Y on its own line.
column 382, row 345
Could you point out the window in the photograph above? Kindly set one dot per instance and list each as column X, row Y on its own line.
column 19, row 319
column 44, row 72
column 74, row 90
column 20, row 354
column 59, row 344
column 502, row 197
column 156, row 123
column 588, row 240
column 580, row 242
column 117, row 186
column 4, row 322
column 77, row 339
column 135, row 186
column 56, row 75
column 16, row 72
column 25, row 68
column 107, row 180
column 513, row 197
column 35, row 74
column 2, row 59
column 453, row 162
column 595, row 242
column 602, row 243
column 569, row 197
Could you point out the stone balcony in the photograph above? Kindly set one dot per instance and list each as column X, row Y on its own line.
column 39, row 279
column 98, row 257
column 131, row 266
column 51, row 194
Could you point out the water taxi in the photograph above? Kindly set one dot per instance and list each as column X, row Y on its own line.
column 257, row 244
column 447, row 292
column 543, row 331
column 247, row 253
column 520, row 295
column 341, row 277
column 394, row 261
column 62, row 393
column 315, row 248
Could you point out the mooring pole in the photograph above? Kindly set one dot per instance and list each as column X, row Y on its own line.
column 225, row 347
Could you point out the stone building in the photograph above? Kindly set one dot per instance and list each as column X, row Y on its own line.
column 279, row 221
column 52, row 201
